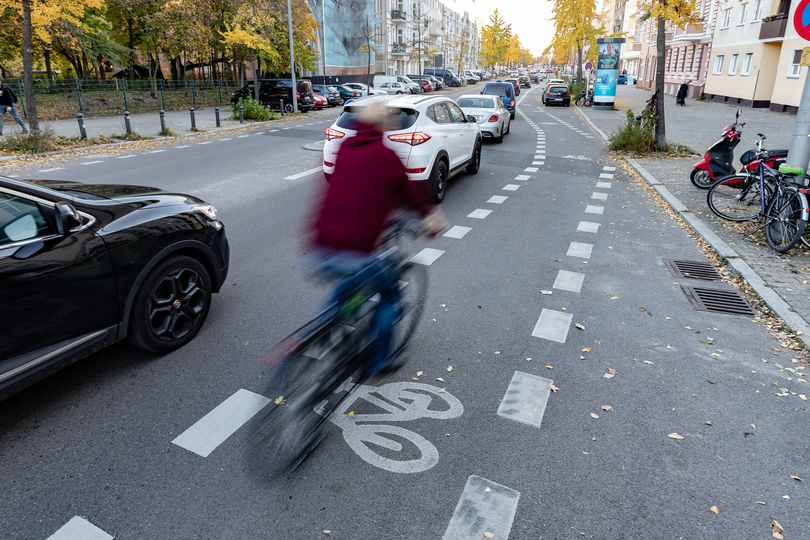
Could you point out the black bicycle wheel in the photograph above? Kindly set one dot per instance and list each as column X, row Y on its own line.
column 737, row 197
column 784, row 225
column 413, row 283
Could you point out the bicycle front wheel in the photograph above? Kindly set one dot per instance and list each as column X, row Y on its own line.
column 413, row 282
column 784, row 225
column 736, row 197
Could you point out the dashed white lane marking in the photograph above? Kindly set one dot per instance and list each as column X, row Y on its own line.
column 484, row 507
column 552, row 325
column 51, row 169
column 204, row 142
column 608, row 168
column 594, row 209
column 310, row 124
column 599, row 196
column 569, row 281
column 79, row 528
column 537, row 162
column 511, row 187
column 522, row 177
column 126, row 156
column 242, row 136
column 427, row 256
column 259, row 133
column 183, row 146
column 479, row 213
column 457, row 231
column 285, row 128
column 588, row 226
column 225, row 139
column 13, row 175
column 607, row 176
column 539, row 156
column 155, row 151
column 92, row 162
column 525, row 399
column 531, row 169
column 497, row 199
column 272, row 131
column 578, row 249
column 214, row 428
column 304, row 173
column 604, row 185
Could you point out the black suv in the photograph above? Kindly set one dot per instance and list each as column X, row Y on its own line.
column 84, row 266
column 272, row 92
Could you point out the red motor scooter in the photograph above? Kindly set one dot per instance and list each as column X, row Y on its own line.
column 718, row 161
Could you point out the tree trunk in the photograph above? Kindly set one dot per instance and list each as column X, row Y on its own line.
column 152, row 75
column 660, row 125
column 49, row 71
column 101, row 74
column 256, row 78
column 28, row 76
column 579, row 61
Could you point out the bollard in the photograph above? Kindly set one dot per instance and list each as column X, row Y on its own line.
column 241, row 114
column 281, row 106
column 193, row 120
column 127, row 123
column 216, row 115
column 82, row 130
column 162, row 121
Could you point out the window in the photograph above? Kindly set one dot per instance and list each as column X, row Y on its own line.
column 795, row 68
column 718, row 64
column 743, row 13
column 732, row 66
column 456, row 114
column 438, row 113
column 757, row 10
column 726, row 18
column 20, row 219
column 746, row 67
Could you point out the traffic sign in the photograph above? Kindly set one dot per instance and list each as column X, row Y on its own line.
column 588, row 66
column 801, row 19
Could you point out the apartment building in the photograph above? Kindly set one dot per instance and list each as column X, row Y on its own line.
column 755, row 56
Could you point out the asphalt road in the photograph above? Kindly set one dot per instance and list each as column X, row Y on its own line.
column 575, row 356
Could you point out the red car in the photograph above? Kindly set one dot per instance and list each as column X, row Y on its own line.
column 320, row 102
column 426, row 86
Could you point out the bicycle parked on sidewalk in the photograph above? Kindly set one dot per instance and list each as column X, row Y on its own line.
column 585, row 98
column 318, row 361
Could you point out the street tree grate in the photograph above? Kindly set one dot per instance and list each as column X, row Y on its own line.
column 717, row 300
column 693, row 270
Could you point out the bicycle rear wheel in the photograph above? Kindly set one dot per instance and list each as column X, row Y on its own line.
column 784, row 225
column 736, row 197
column 413, row 283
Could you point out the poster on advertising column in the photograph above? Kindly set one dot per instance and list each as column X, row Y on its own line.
column 607, row 71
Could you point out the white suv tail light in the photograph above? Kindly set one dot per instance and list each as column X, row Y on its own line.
column 414, row 138
column 333, row 134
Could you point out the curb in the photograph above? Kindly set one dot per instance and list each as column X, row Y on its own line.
column 775, row 302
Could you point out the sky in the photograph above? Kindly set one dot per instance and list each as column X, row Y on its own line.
column 531, row 19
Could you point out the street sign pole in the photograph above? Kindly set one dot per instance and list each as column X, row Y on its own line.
column 799, row 152
column 292, row 58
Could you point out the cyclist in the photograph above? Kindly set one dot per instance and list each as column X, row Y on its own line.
column 368, row 184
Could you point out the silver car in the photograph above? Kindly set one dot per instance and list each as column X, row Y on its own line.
column 492, row 117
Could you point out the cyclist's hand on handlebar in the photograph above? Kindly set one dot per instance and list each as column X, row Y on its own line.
column 434, row 223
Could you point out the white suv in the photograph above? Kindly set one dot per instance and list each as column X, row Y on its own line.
column 433, row 137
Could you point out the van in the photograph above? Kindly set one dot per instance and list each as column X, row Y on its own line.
column 505, row 91
column 379, row 80
column 446, row 75
column 414, row 87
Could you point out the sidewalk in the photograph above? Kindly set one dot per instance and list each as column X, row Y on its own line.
column 698, row 125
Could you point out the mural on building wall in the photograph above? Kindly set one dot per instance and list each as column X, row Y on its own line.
column 345, row 28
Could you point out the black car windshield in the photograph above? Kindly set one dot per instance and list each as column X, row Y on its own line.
column 496, row 90
column 400, row 118
column 481, row 103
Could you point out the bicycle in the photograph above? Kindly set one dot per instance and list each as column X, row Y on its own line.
column 328, row 355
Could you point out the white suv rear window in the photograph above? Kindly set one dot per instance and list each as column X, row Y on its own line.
column 401, row 118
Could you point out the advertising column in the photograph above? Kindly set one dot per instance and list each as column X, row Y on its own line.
column 607, row 70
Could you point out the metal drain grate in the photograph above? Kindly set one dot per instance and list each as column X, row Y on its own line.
column 694, row 270
column 717, row 300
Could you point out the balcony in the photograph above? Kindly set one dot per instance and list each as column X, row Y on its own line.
column 397, row 15
column 399, row 48
column 773, row 28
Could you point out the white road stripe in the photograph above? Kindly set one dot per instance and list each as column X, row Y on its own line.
column 569, row 281
column 594, row 209
column 285, row 128
column 599, row 196
column 525, row 399
column 303, row 174
column 204, row 142
column 540, row 156
column 497, row 199
column 225, row 139
column 214, row 428
column 272, row 131
column 259, row 133
column 588, row 226
column 51, row 169
column 126, row 156
column 578, row 249
column 522, row 177
column 457, row 231
column 530, row 169
column 155, row 151
column 607, row 176
column 479, row 213
column 13, row 175
column 511, row 187
column 242, row 136
column 604, row 185
column 537, row 162
column 552, row 325
column 79, row 528
column 427, row 256
column 183, row 146
column 608, row 168
column 92, row 162
column 484, row 507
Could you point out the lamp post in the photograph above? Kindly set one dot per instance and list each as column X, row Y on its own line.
column 292, row 57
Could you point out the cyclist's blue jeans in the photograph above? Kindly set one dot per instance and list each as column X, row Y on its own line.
column 353, row 269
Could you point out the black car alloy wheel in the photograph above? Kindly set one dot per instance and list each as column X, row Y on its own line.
column 438, row 180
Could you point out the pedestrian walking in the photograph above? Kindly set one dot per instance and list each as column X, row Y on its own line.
column 8, row 102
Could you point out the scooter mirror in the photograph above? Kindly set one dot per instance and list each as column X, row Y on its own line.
column 739, row 112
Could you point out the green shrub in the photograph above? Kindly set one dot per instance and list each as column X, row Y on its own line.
column 632, row 137
column 253, row 110
column 35, row 142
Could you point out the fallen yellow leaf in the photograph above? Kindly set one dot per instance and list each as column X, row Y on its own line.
column 327, row 532
column 350, row 414
column 714, row 510
column 586, row 349
column 279, row 400
column 554, row 388
column 607, row 408
column 549, row 366
column 776, row 530
column 802, row 397
column 580, row 326
column 795, row 477
column 488, row 534
column 614, row 297
column 449, row 368
column 676, row 436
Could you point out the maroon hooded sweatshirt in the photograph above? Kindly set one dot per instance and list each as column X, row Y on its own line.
column 368, row 184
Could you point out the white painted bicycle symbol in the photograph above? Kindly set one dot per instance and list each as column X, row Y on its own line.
column 401, row 402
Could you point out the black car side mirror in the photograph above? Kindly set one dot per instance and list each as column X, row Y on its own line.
column 67, row 218
column 471, row 119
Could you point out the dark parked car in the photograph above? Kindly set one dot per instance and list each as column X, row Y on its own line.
column 524, row 81
column 329, row 92
column 347, row 93
column 557, row 94
column 273, row 91
column 516, row 84
column 84, row 266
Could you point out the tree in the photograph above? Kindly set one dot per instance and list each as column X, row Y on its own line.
column 28, row 75
column 369, row 33
column 421, row 45
column 495, row 40
column 575, row 29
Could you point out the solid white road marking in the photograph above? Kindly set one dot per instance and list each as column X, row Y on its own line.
column 304, row 173
column 155, row 151
column 479, row 213
column 522, row 177
column 594, row 209
column 605, row 185
column 79, row 528
column 578, row 249
column 530, row 169
column 126, row 156
column 552, row 325
column 214, row 428
column 599, row 196
column 51, row 169
column 568, row 281
column 608, row 168
column 497, row 199
column 457, row 231
column 537, row 162
column 484, row 507
column 92, row 162
column 588, row 226
column 525, row 399
column 427, row 256
column 607, row 176
column 511, row 187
